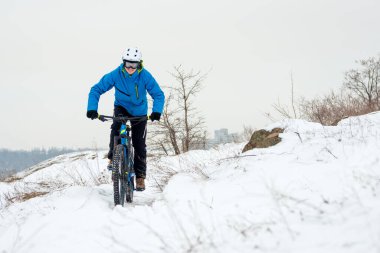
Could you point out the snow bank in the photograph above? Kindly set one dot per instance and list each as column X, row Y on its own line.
column 316, row 191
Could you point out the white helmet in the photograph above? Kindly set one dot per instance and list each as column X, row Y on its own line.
column 132, row 54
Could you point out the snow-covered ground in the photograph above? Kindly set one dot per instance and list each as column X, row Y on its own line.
column 316, row 191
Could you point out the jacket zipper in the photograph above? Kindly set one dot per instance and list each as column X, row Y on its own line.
column 137, row 91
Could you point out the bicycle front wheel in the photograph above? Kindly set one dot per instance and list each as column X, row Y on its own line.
column 119, row 182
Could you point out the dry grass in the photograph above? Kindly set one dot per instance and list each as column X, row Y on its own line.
column 23, row 191
column 11, row 179
column 29, row 195
column 330, row 109
column 163, row 175
column 9, row 198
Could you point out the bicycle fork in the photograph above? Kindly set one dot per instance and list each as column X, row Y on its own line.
column 129, row 174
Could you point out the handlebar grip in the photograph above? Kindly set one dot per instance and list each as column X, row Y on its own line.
column 101, row 118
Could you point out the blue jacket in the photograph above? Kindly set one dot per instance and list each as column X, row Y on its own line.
column 130, row 91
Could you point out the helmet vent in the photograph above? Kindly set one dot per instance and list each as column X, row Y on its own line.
column 132, row 54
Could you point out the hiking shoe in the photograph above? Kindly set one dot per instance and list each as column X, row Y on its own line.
column 140, row 184
column 109, row 166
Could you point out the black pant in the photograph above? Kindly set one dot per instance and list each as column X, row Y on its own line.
column 138, row 140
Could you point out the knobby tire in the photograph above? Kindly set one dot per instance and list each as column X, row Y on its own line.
column 118, row 182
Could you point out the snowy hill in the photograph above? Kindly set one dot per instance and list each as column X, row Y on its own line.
column 316, row 191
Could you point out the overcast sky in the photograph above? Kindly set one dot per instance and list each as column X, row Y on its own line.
column 52, row 52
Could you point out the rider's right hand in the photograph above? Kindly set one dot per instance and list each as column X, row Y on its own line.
column 92, row 114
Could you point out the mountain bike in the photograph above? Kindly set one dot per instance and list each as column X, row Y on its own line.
column 123, row 174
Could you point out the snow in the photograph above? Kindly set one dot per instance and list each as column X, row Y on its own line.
column 316, row 191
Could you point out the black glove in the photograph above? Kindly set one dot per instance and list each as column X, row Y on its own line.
column 155, row 116
column 92, row 114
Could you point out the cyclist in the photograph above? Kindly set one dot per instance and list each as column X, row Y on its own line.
column 131, row 82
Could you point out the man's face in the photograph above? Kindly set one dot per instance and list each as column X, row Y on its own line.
column 131, row 66
column 130, row 70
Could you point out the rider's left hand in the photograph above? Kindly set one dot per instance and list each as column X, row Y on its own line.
column 155, row 116
column 92, row 114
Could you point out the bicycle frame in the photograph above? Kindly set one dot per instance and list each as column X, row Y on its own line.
column 126, row 141
column 123, row 174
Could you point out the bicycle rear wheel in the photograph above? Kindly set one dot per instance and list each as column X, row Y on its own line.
column 119, row 182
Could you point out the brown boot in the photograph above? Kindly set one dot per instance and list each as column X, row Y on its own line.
column 140, row 184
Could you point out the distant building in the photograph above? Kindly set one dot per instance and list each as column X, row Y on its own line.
column 221, row 136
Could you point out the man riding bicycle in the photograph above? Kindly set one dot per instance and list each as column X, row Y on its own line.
column 132, row 82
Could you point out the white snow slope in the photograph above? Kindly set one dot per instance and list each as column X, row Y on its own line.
column 316, row 191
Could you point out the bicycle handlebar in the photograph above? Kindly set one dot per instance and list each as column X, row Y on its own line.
column 104, row 118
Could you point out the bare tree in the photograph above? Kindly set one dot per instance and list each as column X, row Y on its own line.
column 182, row 127
column 360, row 94
column 293, row 103
column 189, row 84
column 166, row 135
column 282, row 109
column 331, row 108
column 247, row 132
column 365, row 81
